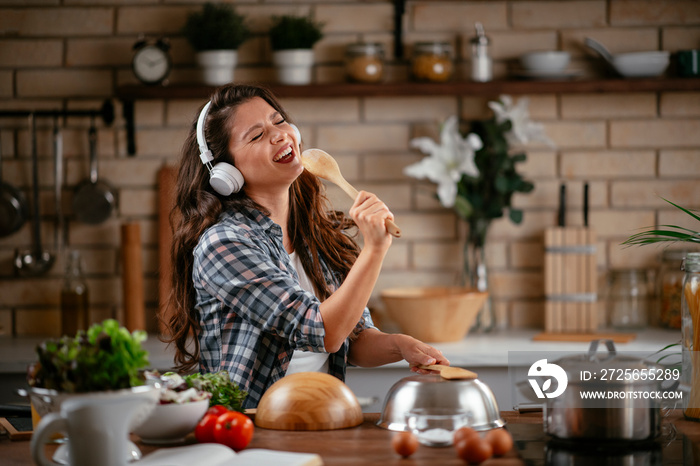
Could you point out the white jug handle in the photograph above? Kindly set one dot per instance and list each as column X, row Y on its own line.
column 50, row 424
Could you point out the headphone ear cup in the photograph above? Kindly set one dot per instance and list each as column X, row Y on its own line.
column 226, row 179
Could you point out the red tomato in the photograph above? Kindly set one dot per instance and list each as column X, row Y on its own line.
column 217, row 409
column 234, row 429
column 204, row 431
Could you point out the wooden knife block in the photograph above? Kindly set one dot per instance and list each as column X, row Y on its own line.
column 571, row 282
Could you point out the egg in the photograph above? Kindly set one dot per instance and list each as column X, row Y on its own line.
column 462, row 434
column 404, row 443
column 501, row 441
column 474, row 449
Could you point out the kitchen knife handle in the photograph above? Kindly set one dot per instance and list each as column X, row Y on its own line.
column 561, row 220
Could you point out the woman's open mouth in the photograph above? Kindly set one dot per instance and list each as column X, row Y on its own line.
column 285, row 156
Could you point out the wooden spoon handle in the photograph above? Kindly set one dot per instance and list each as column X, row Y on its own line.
column 350, row 190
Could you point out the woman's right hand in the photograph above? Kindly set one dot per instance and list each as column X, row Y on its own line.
column 370, row 213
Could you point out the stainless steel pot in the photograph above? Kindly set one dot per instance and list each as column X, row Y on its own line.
column 625, row 413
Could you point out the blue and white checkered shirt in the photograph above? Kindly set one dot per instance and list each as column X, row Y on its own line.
column 252, row 310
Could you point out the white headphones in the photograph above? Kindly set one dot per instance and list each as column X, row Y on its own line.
column 224, row 178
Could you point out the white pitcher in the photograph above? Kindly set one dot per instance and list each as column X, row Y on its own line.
column 97, row 425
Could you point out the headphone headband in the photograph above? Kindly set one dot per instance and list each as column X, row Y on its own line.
column 204, row 153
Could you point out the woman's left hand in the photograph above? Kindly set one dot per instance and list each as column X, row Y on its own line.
column 416, row 353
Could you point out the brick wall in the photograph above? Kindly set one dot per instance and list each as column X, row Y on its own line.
column 631, row 147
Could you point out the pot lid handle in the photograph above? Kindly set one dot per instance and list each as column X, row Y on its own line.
column 593, row 350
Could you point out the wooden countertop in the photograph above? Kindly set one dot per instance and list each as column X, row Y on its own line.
column 366, row 444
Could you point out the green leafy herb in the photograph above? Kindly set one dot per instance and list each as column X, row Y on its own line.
column 106, row 357
column 223, row 391
column 216, row 27
column 294, row 32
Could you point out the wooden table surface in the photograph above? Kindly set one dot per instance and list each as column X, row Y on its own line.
column 366, row 444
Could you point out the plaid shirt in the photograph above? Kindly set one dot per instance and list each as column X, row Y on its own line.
column 251, row 308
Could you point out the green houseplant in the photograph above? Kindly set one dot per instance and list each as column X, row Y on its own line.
column 477, row 177
column 215, row 32
column 292, row 39
column 689, row 305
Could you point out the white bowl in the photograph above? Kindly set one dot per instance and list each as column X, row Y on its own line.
column 641, row 64
column 545, row 61
column 170, row 423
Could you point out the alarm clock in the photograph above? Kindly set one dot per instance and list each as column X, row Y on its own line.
column 151, row 63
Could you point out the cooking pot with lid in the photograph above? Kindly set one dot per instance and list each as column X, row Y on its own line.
column 610, row 397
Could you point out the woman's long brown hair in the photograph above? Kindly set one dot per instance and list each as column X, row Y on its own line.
column 314, row 229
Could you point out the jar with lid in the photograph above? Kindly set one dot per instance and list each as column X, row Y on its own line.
column 75, row 312
column 628, row 299
column 690, row 340
column 482, row 65
column 432, row 61
column 669, row 287
column 364, row 62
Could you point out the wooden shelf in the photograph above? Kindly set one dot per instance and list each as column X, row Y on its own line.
column 135, row 92
column 129, row 93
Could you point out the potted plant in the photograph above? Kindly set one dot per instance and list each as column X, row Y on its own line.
column 215, row 32
column 292, row 39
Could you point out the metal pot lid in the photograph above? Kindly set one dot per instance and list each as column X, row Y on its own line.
column 597, row 361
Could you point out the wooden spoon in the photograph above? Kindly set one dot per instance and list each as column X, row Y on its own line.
column 451, row 373
column 323, row 165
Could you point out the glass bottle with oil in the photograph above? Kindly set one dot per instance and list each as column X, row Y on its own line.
column 75, row 311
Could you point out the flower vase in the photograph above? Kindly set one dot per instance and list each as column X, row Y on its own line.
column 475, row 273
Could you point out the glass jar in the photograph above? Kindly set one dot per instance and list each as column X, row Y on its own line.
column 669, row 287
column 364, row 62
column 482, row 65
column 690, row 311
column 75, row 311
column 628, row 299
column 432, row 61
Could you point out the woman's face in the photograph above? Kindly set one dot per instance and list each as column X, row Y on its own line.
column 264, row 147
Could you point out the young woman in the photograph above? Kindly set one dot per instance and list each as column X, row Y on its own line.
column 265, row 276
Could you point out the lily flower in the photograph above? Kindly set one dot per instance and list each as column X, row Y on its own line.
column 447, row 161
column 523, row 129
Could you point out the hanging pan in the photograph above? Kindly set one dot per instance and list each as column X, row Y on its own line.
column 93, row 201
column 13, row 206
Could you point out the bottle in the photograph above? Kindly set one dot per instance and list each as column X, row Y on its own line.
column 364, row 62
column 482, row 65
column 75, row 312
column 669, row 286
column 690, row 340
column 628, row 299
column 432, row 61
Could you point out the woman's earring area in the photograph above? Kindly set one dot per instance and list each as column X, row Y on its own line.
column 297, row 133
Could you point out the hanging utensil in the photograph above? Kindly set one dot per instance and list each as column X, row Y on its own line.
column 13, row 206
column 94, row 199
column 36, row 261
column 58, row 183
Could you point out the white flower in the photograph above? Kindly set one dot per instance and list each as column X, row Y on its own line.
column 523, row 129
column 448, row 161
